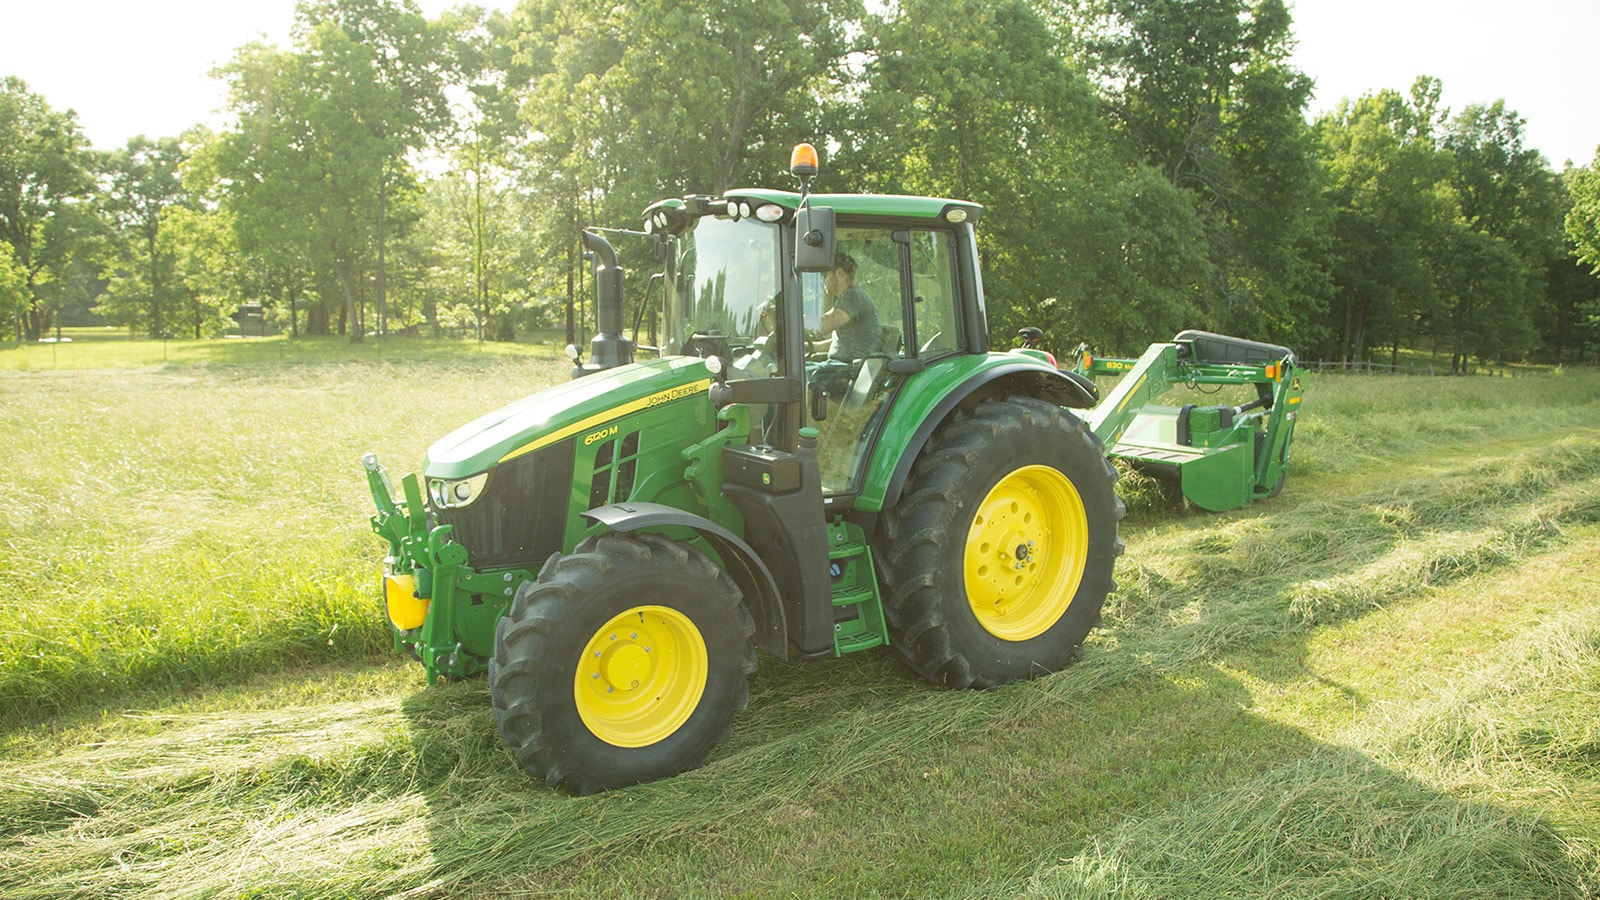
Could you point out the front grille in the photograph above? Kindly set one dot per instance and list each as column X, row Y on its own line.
column 520, row 518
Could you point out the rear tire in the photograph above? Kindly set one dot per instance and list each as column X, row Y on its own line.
column 622, row 662
column 1000, row 551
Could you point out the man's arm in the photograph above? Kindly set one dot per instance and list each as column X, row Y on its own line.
column 833, row 320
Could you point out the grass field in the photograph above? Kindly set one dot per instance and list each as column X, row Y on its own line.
column 1381, row 684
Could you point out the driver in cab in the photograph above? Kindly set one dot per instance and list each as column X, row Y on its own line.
column 853, row 321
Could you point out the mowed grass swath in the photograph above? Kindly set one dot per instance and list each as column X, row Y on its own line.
column 1379, row 683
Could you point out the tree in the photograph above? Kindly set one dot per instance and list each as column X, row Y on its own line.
column 1583, row 218
column 1391, row 205
column 970, row 99
column 474, row 243
column 1203, row 91
column 629, row 103
column 1583, row 229
column 474, row 213
column 140, row 188
column 43, row 178
column 206, row 268
column 1482, row 284
column 1505, row 190
column 318, row 158
column 13, row 283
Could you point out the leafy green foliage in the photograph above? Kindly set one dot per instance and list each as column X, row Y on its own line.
column 44, row 171
column 1390, row 206
column 143, row 187
column 1583, row 219
column 1147, row 167
column 13, row 283
column 317, row 164
column 1204, row 92
column 952, row 91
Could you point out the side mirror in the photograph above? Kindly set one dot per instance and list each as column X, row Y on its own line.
column 813, row 239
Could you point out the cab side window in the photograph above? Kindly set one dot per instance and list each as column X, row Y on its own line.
column 933, row 283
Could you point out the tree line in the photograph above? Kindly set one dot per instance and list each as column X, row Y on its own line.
column 1148, row 166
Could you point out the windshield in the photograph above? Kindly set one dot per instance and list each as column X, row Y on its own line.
column 724, row 292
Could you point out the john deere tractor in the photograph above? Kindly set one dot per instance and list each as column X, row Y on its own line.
column 612, row 551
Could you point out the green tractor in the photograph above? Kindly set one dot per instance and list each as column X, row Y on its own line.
column 612, row 551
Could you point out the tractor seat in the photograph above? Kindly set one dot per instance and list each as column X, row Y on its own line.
column 889, row 343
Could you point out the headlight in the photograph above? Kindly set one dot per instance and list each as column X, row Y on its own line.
column 455, row 494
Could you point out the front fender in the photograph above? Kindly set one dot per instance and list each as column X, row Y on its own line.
column 752, row 576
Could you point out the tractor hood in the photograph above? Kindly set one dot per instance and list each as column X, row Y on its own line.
column 561, row 412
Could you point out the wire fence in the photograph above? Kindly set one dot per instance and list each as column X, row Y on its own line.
column 1425, row 369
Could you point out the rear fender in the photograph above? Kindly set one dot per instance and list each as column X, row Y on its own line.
column 918, row 413
column 755, row 581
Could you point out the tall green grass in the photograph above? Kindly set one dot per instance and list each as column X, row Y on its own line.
column 179, row 724
column 100, row 348
column 178, row 525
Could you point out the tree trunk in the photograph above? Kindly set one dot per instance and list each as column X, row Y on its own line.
column 383, row 296
column 349, row 323
column 35, row 320
column 317, row 318
column 480, row 285
column 157, row 327
column 1359, row 350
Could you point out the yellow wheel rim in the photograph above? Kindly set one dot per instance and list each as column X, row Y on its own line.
column 641, row 676
column 1026, row 551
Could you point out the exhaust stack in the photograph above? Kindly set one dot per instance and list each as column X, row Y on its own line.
column 609, row 348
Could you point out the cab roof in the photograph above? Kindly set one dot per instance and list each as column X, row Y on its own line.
column 899, row 206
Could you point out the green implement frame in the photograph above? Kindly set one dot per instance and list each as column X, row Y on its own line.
column 1222, row 457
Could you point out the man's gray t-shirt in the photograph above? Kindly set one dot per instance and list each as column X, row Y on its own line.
column 861, row 336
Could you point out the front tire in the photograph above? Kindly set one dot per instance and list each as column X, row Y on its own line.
column 1000, row 552
column 622, row 662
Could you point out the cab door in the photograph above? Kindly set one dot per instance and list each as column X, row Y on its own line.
column 910, row 276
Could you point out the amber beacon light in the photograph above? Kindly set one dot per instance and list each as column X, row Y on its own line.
column 803, row 161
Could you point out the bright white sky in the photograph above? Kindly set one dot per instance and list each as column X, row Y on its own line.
column 131, row 68
column 1541, row 56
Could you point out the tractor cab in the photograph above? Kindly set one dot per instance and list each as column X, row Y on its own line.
column 731, row 294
